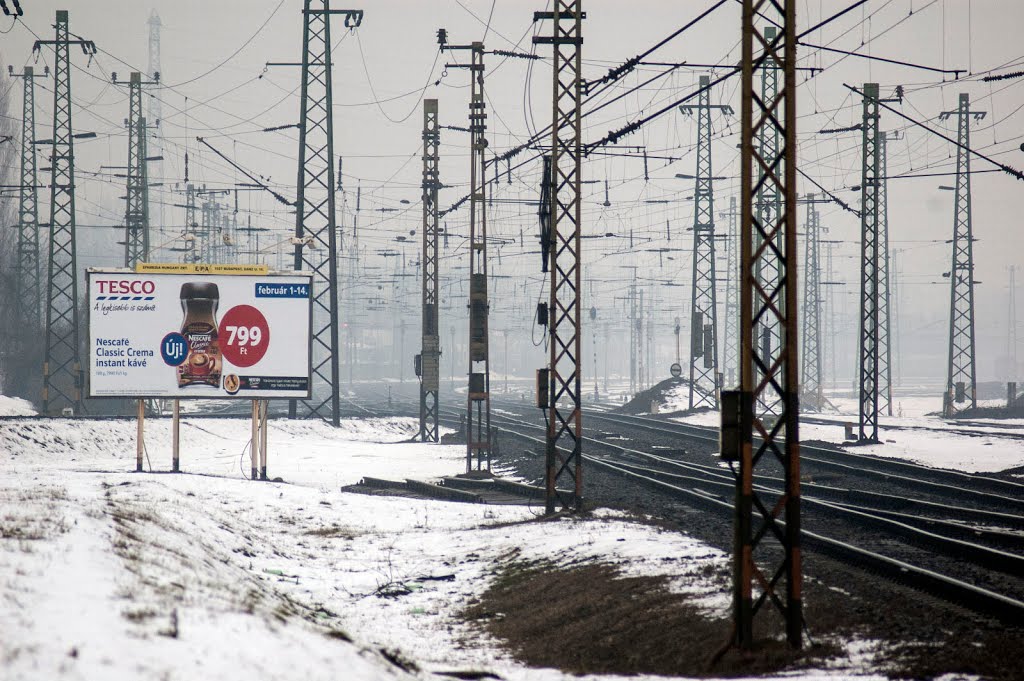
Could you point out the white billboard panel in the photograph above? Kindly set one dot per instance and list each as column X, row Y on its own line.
column 199, row 334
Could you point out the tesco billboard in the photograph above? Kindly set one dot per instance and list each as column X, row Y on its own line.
column 198, row 333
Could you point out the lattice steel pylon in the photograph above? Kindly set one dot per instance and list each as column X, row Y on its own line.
column 961, row 381
column 884, row 309
column 767, row 333
column 62, row 369
column 704, row 291
column 27, row 272
column 732, row 290
column 430, row 353
column 869, row 265
column 768, row 371
column 316, row 248
column 154, row 114
column 812, row 397
column 874, row 304
column 564, row 441
column 136, row 216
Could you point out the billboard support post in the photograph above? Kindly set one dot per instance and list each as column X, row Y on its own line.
column 254, row 444
column 175, row 432
column 140, row 430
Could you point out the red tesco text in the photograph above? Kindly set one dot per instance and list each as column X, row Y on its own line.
column 123, row 286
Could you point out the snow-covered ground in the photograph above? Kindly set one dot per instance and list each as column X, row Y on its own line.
column 111, row 574
column 915, row 433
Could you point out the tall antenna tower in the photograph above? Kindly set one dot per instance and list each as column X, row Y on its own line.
column 62, row 369
column 961, row 383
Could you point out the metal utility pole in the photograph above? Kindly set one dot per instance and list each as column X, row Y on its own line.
column 732, row 303
column 315, row 236
column 154, row 112
column 27, row 274
column 62, row 370
column 1011, row 350
column 565, row 416
column 768, row 204
column 884, row 308
column 478, row 406
column 704, row 298
column 961, row 384
column 430, row 354
column 136, row 216
column 191, row 226
column 873, row 268
column 634, row 340
column 812, row 397
column 767, row 301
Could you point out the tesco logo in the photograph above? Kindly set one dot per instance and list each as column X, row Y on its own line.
column 125, row 286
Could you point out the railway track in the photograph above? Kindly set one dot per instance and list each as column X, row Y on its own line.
column 967, row 555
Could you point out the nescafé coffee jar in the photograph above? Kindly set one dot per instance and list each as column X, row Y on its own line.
column 202, row 366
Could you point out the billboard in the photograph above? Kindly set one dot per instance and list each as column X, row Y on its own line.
column 195, row 331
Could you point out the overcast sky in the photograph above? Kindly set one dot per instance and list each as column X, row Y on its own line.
column 215, row 86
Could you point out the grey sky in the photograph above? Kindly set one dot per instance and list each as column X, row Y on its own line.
column 394, row 53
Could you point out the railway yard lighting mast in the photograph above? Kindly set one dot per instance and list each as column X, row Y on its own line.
column 768, row 370
column 961, row 382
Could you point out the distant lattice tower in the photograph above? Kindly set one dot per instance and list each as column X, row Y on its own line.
column 154, row 116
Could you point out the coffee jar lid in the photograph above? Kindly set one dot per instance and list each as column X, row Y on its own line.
column 202, row 289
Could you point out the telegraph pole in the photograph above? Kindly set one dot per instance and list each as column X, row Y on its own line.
column 704, row 298
column 62, row 370
column 732, row 304
column 478, row 406
column 767, row 246
column 565, row 417
column 961, row 384
column 136, row 216
column 27, row 275
column 316, row 248
column 430, row 354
